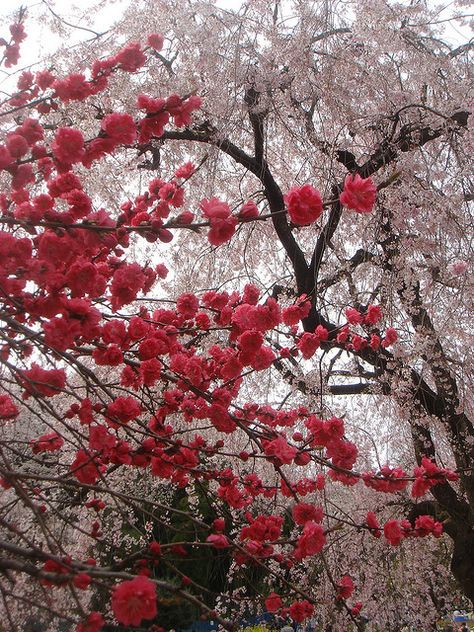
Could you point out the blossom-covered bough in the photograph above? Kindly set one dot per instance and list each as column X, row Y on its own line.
column 151, row 427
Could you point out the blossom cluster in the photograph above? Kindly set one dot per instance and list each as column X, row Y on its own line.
column 305, row 205
column 69, row 300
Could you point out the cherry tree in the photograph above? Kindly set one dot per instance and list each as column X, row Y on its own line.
column 235, row 302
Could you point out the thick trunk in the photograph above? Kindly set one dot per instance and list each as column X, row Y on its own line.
column 462, row 563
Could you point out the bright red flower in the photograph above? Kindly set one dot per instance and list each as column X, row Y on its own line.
column 373, row 524
column 273, row 602
column 82, row 581
column 8, row 410
column 50, row 442
column 37, row 381
column 123, row 409
column 280, row 449
column 134, row 600
column 68, row 145
column 359, row 194
column 424, row 525
column 345, row 587
column 391, row 336
column 308, row 344
column 304, row 512
column 301, row 610
column 127, row 281
column 222, row 222
column 304, row 204
column 121, row 128
column 85, row 468
column 393, row 532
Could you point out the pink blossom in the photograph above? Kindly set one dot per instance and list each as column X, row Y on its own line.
column 311, row 541
column 218, row 541
column 130, row 58
column 458, row 267
column 249, row 210
column 185, row 171
column 17, row 145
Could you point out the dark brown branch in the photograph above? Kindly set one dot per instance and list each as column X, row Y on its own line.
column 273, row 193
column 410, row 137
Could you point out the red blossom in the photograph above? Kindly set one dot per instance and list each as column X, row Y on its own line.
column 304, row 204
column 94, row 623
column 222, row 223
column 134, row 600
column 85, row 468
column 43, row 382
column 345, row 587
column 8, row 409
column 68, row 145
column 359, row 194
column 311, row 541
column 123, row 409
column 50, row 442
column 121, row 128
column 273, row 602
column 304, row 512
column 393, row 532
column 127, row 281
column 155, row 40
column 373, row 524
column 301, row 610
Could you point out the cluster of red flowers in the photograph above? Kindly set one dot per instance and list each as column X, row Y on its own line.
column 11, row 54
column 305, row 206
column 66, row 279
